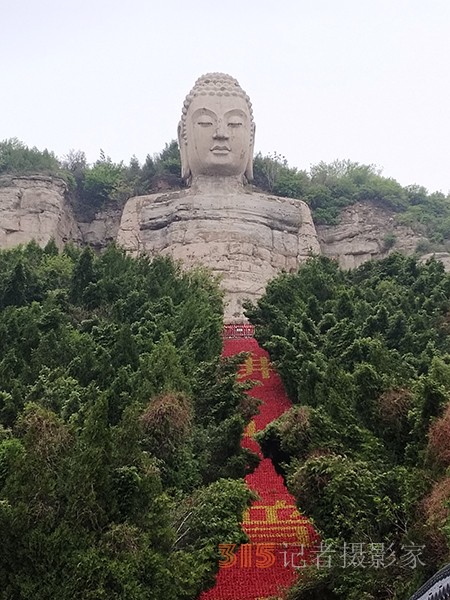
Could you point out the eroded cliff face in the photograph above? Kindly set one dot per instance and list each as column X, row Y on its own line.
column 365, row 232
column 246, row 238
column 35, row 208
column 103, row 228
column 38, row 208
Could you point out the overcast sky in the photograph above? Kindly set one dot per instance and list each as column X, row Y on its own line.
column 365, row 80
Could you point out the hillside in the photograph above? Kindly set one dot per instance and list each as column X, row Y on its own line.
column 113, row 389
column 358, row 213
column 120, row 425
column 365, row 358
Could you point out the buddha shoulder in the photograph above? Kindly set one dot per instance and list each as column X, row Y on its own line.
column 135, row 214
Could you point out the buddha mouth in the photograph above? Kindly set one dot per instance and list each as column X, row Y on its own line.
column 220, row 149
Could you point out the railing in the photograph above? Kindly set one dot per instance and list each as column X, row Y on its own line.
column 238, row 330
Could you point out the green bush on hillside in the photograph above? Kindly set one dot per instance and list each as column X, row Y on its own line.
column 120, row 426
column 365, row 357
column 16, row 158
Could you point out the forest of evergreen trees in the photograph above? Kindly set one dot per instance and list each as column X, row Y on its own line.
column 120, row 425
column 365, row 357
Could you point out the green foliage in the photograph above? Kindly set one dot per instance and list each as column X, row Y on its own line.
column 102, row 182
column 389, row 240
column 106, row 181
column 212, row 512
column 168, row 161
column 364, row 355
column 19, row 159
column 364, row 501
column 117, row 413
column 328, row 188
column 273, row 174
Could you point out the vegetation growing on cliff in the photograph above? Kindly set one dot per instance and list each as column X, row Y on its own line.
column 93, row 185
column 327, row 188
column 17, row 158
column 365, row 357
column 120, row 427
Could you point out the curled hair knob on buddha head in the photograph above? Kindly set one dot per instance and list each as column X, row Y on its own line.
column 216, row 132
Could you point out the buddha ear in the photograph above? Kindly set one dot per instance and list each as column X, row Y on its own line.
column 249, row 169
column 185, row 168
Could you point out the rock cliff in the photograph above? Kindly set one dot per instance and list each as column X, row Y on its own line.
column 248, row 242
column 103, row 228
column 365, row 231
column 35, row 207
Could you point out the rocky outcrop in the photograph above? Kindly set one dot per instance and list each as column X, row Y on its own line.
column 247, row 238
column 38, row 208
column 103, row 228
column 364, row 232
column 35, row 208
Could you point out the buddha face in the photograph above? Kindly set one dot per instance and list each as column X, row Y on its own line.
column 218, row 132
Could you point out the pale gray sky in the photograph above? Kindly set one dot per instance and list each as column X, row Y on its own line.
column 367, row 80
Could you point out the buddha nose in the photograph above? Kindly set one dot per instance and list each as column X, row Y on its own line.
column 221, row 132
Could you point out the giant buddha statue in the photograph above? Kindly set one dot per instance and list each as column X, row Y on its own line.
column 218, row 220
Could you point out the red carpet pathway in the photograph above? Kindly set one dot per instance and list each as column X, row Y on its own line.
column 280, row 538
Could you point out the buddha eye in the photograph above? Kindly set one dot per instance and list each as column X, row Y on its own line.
column 204, row 123
column 235, row 124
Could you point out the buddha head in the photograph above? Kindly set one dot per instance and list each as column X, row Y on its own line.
column 216, row 133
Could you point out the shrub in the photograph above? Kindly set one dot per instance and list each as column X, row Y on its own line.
column 389, row 241
column 17, row 158
column 439, row 439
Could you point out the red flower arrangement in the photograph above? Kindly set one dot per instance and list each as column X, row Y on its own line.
column 281, row 539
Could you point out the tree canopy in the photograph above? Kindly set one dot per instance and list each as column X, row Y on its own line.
column 365, row 357
column 120, row 426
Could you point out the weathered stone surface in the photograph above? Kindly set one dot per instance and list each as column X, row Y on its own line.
column 247, row 238
column 35, row 208
column 216, row 133
column 103, row 228
column 363, row 234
